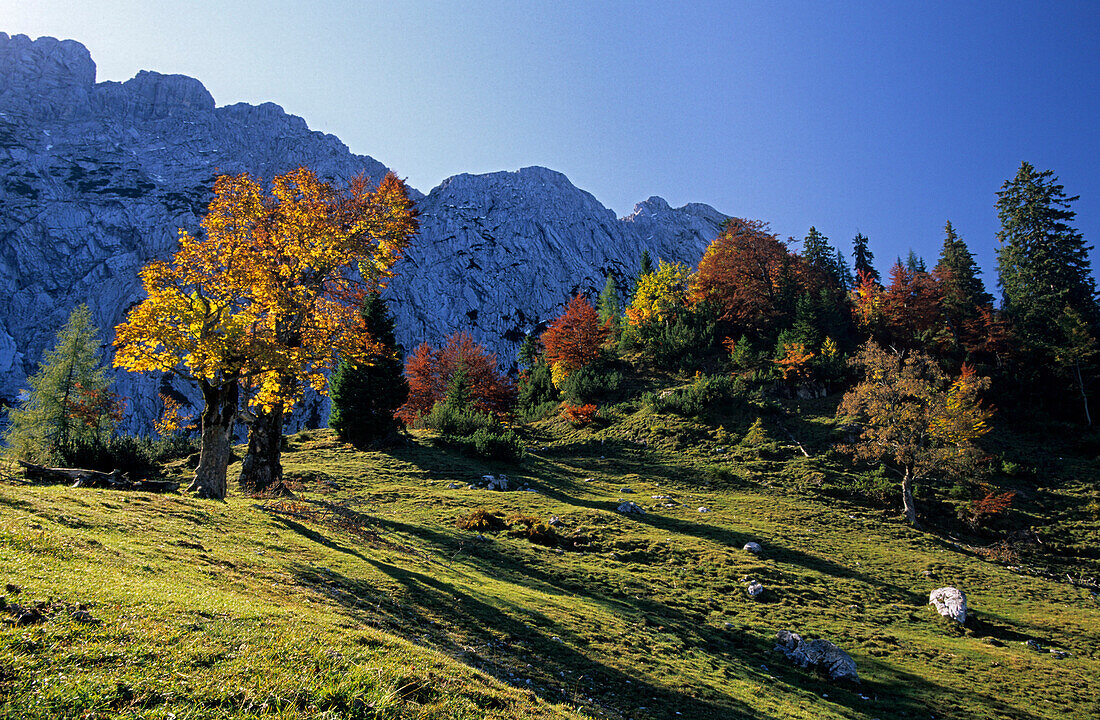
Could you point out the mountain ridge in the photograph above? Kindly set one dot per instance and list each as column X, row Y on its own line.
column 96, row 178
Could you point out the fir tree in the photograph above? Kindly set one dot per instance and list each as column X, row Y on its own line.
column 914, row 263
column 1042, row 261
column 69, row 401
column 863, row 258
column 844, row 273
column 365, row 397
column 963, row 291
column 817, row 252
column 528, row 355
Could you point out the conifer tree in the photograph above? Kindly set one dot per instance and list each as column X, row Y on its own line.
column 817, row 252
column 69, row 399
column 366, row 396
column 863, row 258
column 608, row 307
column 962, row 288
column 1042, row 260
column 646, row 265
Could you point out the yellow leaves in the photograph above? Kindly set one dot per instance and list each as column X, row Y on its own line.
column 268, row 292
column 659, row 294
column 558, row 373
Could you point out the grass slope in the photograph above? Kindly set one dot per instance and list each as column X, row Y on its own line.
column 362, row 599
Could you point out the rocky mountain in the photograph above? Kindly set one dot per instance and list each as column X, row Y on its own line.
column 96, row 178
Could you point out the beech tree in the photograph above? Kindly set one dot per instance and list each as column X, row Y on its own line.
column 430, row 372
column 912, row 417
column 573, row 339
column 911, row 307
column 660, row 295
column 266, row 296
column 745, row 274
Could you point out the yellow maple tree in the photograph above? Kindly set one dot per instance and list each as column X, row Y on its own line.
column 267, row 296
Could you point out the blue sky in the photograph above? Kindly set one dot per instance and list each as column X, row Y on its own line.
column 882, row 117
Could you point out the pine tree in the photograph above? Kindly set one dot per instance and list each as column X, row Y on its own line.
column 863, row 258
column 963, row 291
column 365, row 397
column 69, row 401
column 1042, row 261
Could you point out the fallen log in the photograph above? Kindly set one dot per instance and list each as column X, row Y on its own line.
column 82, row 477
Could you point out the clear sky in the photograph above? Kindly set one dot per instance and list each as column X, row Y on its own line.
column 883, row 117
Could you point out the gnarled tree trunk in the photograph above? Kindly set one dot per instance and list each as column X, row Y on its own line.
column 262, row 466
column 218, row 415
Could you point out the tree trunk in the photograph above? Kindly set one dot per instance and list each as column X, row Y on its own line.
column 262, row 467
column 218, row 415
column 1084, row 395
column 907, row 501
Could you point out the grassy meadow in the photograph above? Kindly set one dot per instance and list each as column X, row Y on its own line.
column 361, row 597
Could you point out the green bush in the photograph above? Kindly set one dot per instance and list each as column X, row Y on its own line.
column 455, row 420
column 590, row 384
column 135, row 456
column 538, row 412
column 707, row 394
column 536, row 388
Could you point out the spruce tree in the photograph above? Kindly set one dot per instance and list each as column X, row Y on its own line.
column 365, row 397
column 963, row 291
column 608, row 307
column 646, row 265
column 69, row 400
column 914, row 263
column 1042, row 260
column 863, row 258
column 817, row 252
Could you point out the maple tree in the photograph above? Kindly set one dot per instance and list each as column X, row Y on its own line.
column 744, row 274
column 795, row 363
column 268, row 295
column 573, row 339
column 912, row 416
column 430, row 371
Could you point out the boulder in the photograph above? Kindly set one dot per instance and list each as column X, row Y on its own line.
column 820, row 655
column 630, row 506
column 753, row 547
column 949, row 602
column 499, row 483
column 704, row 509
column 755, row 589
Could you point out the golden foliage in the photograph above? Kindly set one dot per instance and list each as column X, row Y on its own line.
column 659, row 294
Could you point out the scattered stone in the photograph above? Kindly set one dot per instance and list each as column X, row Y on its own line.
column 704, row 509
column 1034, row 645
column 1059, row 654
column 719, row 449
column 661, row 497
column 755, row 589
column 949, row 602
column 821, row 655
column 454, row 486
column 753, row 547
column 556, row 521
column 499, row 483
column 626, row 490
column 630, row 506
column 590, row 479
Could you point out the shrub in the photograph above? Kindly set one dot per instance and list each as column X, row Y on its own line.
column 137, row 457
column 579, row 415
column 536, row 387
column 704, row 395
column 502, row 445
column 481, row 519
column 532, row 528
column 538, row 412
column 591, row 383
column 455, row 420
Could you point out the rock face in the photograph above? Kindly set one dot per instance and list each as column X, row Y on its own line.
column 96, row 178
column 821, row 655
column 949, row 602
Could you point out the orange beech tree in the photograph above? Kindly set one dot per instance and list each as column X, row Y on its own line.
column 744, row 274
column 573, row 340
column 912, row 308
column 429, row 371
column 912, row 417
column 266, row 296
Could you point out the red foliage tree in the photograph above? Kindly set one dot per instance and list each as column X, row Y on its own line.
column 912, row 307
column 743, row 273
column 573, row 340
column 429, row 372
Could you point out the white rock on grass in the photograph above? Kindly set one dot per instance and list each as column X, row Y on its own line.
column 755, row 589
column 630, row 506
column 949, row 602
column 704, row 509
column 821, row 655
column 753, row 547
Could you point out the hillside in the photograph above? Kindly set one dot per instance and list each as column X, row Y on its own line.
column 361, row 598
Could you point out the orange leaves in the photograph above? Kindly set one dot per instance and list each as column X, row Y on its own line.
column 271, row 289
column 795, row 363
column 579, row 415
column 430, row 370
column 573, row 340
column 743, row 272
